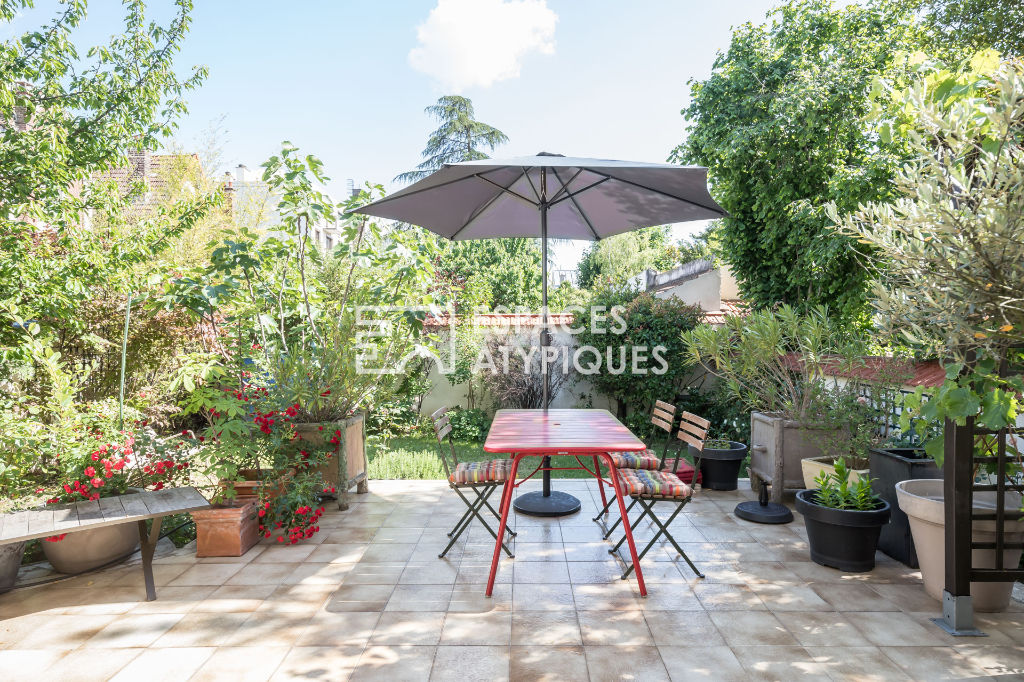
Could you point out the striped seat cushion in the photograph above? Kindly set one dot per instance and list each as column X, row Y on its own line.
column 491, row 471
column 635, row 460
column 660, row 483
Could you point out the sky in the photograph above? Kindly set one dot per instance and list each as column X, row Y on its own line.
column 348, row 81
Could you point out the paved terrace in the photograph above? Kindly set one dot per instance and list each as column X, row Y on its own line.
column 368, row 598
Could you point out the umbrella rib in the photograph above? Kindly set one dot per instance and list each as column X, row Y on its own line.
column 717, row 210
column 507, row 190
column 580, row 211
column 580, row 191
column 526, row 174
column 476, row 214
column 565, row 188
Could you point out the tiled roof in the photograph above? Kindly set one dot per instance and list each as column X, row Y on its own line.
column 730, row 308
column 912, row 373
column 494, row 320
column 144, row 166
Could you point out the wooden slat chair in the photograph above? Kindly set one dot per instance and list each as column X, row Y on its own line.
column 647, row 488
column 483, row 478
column 662, row 417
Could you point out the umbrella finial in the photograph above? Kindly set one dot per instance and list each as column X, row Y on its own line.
column 550, row 154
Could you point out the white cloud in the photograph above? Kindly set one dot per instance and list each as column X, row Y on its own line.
column 467, row 43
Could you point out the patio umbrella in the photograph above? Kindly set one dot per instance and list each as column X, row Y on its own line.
column 549, row 195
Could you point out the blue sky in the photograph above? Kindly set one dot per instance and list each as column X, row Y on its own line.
column 603, row 78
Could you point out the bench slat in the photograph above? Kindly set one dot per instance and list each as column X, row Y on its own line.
column 88, row 512
column 133, row 505
column 91, row 514
column 41, row 521
column 111, row 508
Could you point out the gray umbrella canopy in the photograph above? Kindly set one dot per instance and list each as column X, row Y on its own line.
column 583, row 198
column 549, row 195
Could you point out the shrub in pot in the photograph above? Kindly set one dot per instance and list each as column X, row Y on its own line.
column 720, row 463
column 843, row 520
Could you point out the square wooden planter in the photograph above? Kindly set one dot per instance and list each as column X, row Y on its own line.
column 226, row 530
column 353, row 440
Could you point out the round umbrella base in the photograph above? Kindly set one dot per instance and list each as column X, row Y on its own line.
column 555, row 504
column 755, row 511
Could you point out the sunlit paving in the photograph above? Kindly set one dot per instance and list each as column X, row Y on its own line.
column 526, row 340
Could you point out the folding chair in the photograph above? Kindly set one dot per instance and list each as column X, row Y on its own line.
column 647, row 488
column 483, row 478
column 662, row 416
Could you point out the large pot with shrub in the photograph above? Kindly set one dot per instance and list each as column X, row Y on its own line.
column 774, row 362
column 843, row 520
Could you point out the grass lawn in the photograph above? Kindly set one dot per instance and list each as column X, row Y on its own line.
column 414, row 457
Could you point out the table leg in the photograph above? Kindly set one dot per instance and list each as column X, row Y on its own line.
column 625, row 527
column 600, row 481
column 506, row 504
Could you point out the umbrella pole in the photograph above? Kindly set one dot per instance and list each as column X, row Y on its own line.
column 544, row 330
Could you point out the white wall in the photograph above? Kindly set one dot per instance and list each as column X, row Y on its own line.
column 704, row 290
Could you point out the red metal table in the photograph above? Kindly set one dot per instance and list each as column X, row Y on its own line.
column 579, row 433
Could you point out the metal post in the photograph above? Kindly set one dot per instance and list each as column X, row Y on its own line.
column 957, row 609
column 544, row 340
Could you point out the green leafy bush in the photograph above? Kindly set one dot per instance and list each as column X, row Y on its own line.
column 470, row 425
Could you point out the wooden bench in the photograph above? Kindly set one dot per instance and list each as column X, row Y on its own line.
column 107, row 511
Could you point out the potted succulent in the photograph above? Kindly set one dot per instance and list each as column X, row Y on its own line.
column 720, row 462
column 775, row 362
column 844, row 519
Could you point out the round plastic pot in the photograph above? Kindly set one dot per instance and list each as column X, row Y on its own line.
column 842, row 538
column 720, row 468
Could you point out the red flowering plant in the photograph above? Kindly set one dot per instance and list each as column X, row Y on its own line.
column 104, row 461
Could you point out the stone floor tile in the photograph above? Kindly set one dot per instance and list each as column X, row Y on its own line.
column 908, row 597
column 347, row 629
column 80, row 665
column 539, row 551
column 408, row 627
column 856, row 663
column 494, row 628
column 606, row 597
column 668, row 597
column 262, row 574
column 934, row 663
column 241, row 663
column 389, row 552
column 48, row 632
column 395, row 663
column 780, row 663
column 1001, row 662
column 235, row 598
column 473, row 572
column 360, row 598
column 400, row 535
column 269, row 629
column 540, row 572
column 548, row 663
column 727, row 597
column 164, row 665
column 471, row 663
column 817, row 628
column 334, row 663
column 429, row 573
column 542, row 597
column 625, row 663
column 130, row 631
column 785, row 597
column 318, row 574
column 747, row 628
column 472, row 599
column 893, row 629
column 201, row 630
column 207, row 574
column 616, row 628
column 420, row 598
column 30, row 663
column 546, row 628
column 852, row 597
column 701, row 663
column 340, row 553
column 683, row 628
column 592, row 572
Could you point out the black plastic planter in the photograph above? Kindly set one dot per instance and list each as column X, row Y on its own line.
column 890, row 466
column 841, row 538
column 720, row 468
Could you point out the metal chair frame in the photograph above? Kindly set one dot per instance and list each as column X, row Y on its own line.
column 693, row 431
column 663, row 416
column 483, row 490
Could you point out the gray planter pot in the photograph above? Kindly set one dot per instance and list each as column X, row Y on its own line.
column 88, row 549
column 10, row 562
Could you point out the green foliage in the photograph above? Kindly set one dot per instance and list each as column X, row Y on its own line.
column 469, row 425
column 775, row 361
column 506, row 271
column 705, row 245
column 459, row 137
column 644, row 331
column 954, row 27
column 730, row 418
column 835, row 490
column 779, row 124
column 616, row 259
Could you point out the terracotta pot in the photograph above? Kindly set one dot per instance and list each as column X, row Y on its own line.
column 923, row 502
column 88, row 549
column 226, row 530
column 10, row 562
column 813, row 466
column 248, row 489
